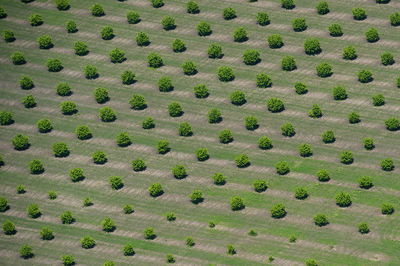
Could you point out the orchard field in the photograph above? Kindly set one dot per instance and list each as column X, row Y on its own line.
column 230, row 132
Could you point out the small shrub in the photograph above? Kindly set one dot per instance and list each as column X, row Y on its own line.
column 365, row 182
column 349, row 53
column 68, row 260
column 26, row 83
column 311, row 262
column 343, row 199
column 54, row 65
column 335, row 30
column 116, row 182
column 165, row 84
column 219, row 179
column 108, row 225
column 36, row 20
column 18, row 58
column 365, row 76
column 264, row 143
column 148, row 123
column 142, row 39
column 101, row 95
column 322, row 8
column 328, row 136
column 225, row 136
column 392, row 124
column 189, row 241
column 9, row 228
column 323, row 175
column 282, row 168
column 107, row 114
column 87, row 202
column 157, row 3
column 288, row 130
column 107, row 33
column 242, row 161
column 46, row 233
column 63, row 89
column 238, row 97
column 88, row 242
column 128, row 250
column 3, row 204
column 178, row 46
column 387, row 209
column 52, row 195
column 179, row 172
column 97, row 10
column 3, row 12
column 76, row 174
column 133, row 17
column 6, row 118
column 231, row 250
column 45, row 42
column 395, row 19
column 26, row 251
column 189, row 68
column 33, row 210
column 278, row 211
column 321, row 220
column 354, row 118
column 225, row 74
column 117, row 56
column 1, row 164
column 211, row 224
column 387, row 59
column 346, row 157
column 324, row 70
column 300, row 193
column 263, row 80
column 263, row 19
column 29, row 101
column 292, row 239
column 240, row 34
column 71, row 26
column 288, row 63
column 251, row 123
column 368, row 143
column 137, row 102
column 81, row 48
column 387, row 164
column 378, row 100
column 305, row 150
column 200, row 91
column 60, row 149
column 203, row 29
column 339, row 93
column 275, row 41
column 128, row 77
column 154, row 60
column 202, row 154
column 275, row 105
column 229, row 13
column 163, row 147
column 192, row 7
column 128, row 209
column 299, row 24
column 83, row 132
column 170, row 258
column 20, row 142
column 300, row 88
column 168, row 23
column 109, row 263
column 359, row 13
column 175, row 109
column 363, row 228
column 372, row 35
column 138, row 165
column 312, row 46
column 20, row 189
column 237, row 203
column 155, row 190
column 214, row 51
column 287, row 4
column 123, row 139
column 260, row 185
column 251, row 57
column 196, row 196
column 149, row 233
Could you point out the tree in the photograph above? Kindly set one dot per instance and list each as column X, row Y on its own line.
column 9, row 228
column 128, row 250
column 275, row 105
column 305, row 150
column 54, row 65
column 26, row 251
column 20, row 142
column 263, row 18
column 278, row 211
column 322, row 8
column 117, row 56
column 175, row 109
column 178, row 46
column 365, row 182
column 229, row 13
column 45, row 42
column 20, row 189
column 321, row 220
column 275, row 41
column 107, row 114
column 237, row 203
column 179, row 171
column 202, row 154
column 288, row 63
column 260, row 185
column 225, row 136
column 346, row 157
column 387, row 164
column 123, row 139
column 6, row 118
column 163, row 147
column 387, row 59
column 214, row 116
column 378, row 100
column 157, row 3
column 335, row 30
column 90, row 72
column 299, row 24
column 116, row 182
column 63, row 89
column 88, row 242
column 26, row 83
column 251, row 123
column 282, row 168
column 225, row 74
column 395, row 19
column 83, row 132
column 76, row 174
column 311, row 262
column 354, row 118
column 312, row 46
column 168, row 23
column 170, row 258
column 137, row 102
column 387, row 209
column 133, row 17
column 81, row 48
column 363, row 228
column 87, row 202
column 33, row 210
column 251, row 57
column 214, row 51
column 29, row 101
column 365, row 76
column 165, row 84
column 343, row 199
column 3, row 204
column 155, row 190
column 148, row 123
column 52, row 194
column 288, row 130
column 108, row 225
column 231, row 250
column 242, row 160
column 46, row 233
column 263, row 80
column 196, row 196
column 60, row 149
column 359, row 13
column 323, row 175
column 192, row 7
column 287, row 4
column 238, row 97
column 97, row 10
column 154, row 60
column 36, row 20
column 339, row 93
column 392, row 124
column 189, row 68
column 185, row 129
column 18, row 58
column 189, row 241
column 71, row 27
column 109, row 263
column 3, row 12
column 372, row 35
column 240, row 34
column 328, row 136
column 315, row 111
column 264, row 143
column 128, row 209
column 101, row 95
column 67, row 260
column 107, row 33
column 324, row 70
column 138, row 165
column 368, row 143
column 300, row 193
column 142, row 39
column 204, row 29
column 149, row 233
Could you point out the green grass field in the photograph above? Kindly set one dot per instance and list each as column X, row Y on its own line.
column 338, row 243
